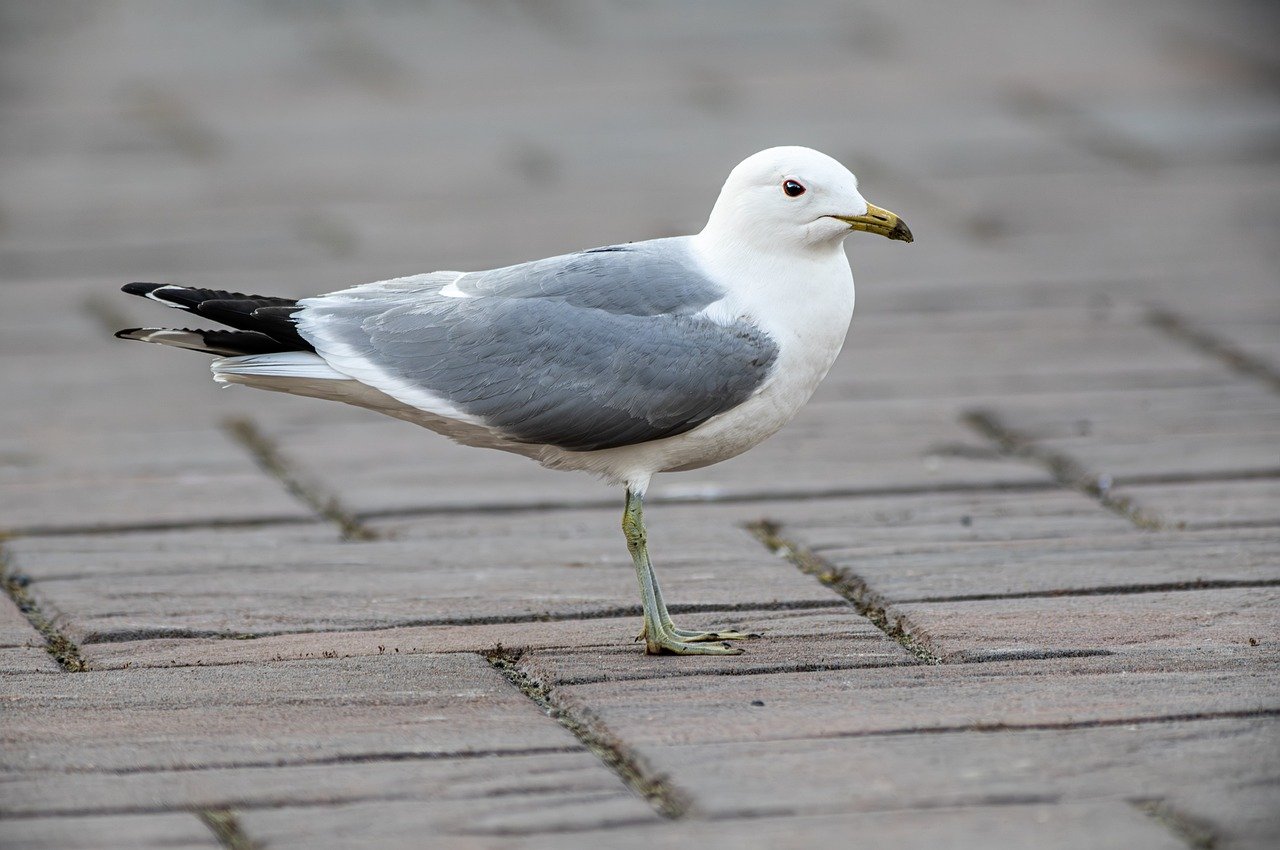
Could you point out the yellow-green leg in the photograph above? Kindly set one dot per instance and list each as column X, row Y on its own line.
column 685, row 634
column 660, row 633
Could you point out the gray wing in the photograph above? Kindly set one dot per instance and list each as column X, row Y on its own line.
column 641, row 279
column 589, row 351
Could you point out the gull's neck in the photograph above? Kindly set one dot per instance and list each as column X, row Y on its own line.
column 785, row 288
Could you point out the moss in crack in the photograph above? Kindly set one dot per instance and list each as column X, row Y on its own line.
column 1064, row 469
column 62, row 648
column 1190, row 831
column 1241, row 361
column 226, row 828
column 268, row 457
column 666, row 800
column 852, row 587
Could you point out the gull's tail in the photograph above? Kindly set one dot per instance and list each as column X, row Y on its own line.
column 264, row 350
column 263, row 325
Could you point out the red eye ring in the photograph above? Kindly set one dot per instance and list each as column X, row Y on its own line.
column 792, row 188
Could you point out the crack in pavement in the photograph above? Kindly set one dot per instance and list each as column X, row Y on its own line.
column 17, row 587
column 1066, row 470
column 268, row 456
column 852, row 587
column 666, row 799
column 1237, row 359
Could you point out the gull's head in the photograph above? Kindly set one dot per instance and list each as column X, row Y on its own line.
column 798, row 198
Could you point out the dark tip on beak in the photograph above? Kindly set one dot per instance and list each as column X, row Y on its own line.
column 901, row 232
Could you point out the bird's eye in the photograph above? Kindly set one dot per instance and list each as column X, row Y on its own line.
column 792, row 188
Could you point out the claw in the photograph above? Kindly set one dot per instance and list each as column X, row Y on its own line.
column 673, row 646
column 700, row 637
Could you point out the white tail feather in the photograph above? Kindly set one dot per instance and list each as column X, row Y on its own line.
column 190, row 340
column 303, row 365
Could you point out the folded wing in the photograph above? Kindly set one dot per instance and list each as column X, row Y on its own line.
column 590, row 351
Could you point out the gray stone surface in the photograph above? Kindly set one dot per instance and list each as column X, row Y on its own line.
column 395, row 468
column 1225, row 430
column 26, row 659
column 332, row 710
column 15, row 630
column 972, row 768
column 1211, row 504
column 22, row 649
column 828, row 637
column 1053, row 566
column 1238, row 815
column 1100, row 825
column 1237, row 622
column 902, row 700
column 539, row 792
column 444, row 569
column 175, row 831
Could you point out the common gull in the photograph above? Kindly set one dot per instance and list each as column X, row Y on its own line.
column 622, row 361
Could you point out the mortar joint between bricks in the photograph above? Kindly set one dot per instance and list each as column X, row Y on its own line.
column 1066, row 470
column 665, row 798
column 1191, row 831
column 266, row 453
column 17, row 587
column 226, row 829
column 1184, row 331
column 851, row 586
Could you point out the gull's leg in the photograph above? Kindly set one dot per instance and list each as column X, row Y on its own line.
column 686, row 634
column 659, row 632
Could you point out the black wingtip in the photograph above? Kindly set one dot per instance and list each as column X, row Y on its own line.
column 140, row 288
column 124, row 334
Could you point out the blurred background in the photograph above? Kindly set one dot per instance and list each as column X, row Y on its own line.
column 1063, row 165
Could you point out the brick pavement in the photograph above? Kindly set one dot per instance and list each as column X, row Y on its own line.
column 1017, row 562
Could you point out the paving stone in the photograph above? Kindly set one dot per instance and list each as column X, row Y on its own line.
column 15, row 630
column 1143, row 234
column 1100, row 825
column 1233, row 622
column 443, row 569
column 1206, row 504
column 537, row 792
column 1185, row 431
column 89, row 439
column 916, row 699
column 119, row 832
column 401, row 640
column 1252, row 334
column 830, row 637
column 971, row 768
column 869, row 445
column 925, row 521
column 1236, row 816
column 87, row 480
column 263, row 715
column 1060, row 565
column 26, row 659
column 22, row 648
column 988, row 352
column 374, row 463
column 377, row 465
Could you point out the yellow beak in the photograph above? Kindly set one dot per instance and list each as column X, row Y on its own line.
column 879, row 221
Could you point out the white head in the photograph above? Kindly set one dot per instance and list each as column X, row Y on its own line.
column 796, row 198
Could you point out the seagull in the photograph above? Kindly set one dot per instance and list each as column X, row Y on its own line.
column 622, row 361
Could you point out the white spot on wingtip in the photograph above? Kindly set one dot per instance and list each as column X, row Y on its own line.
column 152, row 295
column 451, row 290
